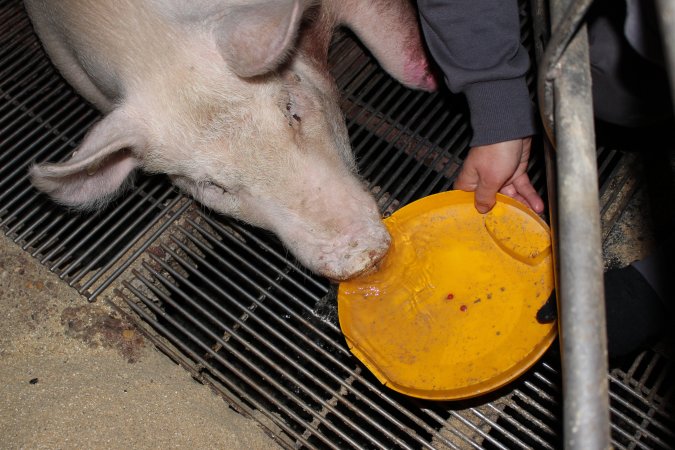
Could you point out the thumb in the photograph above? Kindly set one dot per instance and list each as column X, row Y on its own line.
column 485, row 197
column 468, row 180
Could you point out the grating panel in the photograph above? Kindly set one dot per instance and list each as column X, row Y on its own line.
column 641, row 402
column 228, row 302
column 41, row 118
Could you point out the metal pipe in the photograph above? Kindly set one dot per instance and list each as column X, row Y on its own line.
column 581, row 290
column 566, row 18
column 666, row 13
column 567, row 112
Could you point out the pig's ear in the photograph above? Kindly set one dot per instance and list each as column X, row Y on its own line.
column 391, row 32
column 97, row 169
column 255, row 38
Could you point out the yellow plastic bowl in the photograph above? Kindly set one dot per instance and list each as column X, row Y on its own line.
column 450, row 312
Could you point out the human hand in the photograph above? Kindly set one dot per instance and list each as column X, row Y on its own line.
column 500, row 167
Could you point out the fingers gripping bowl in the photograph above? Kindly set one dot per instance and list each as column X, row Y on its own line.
column 450, row 313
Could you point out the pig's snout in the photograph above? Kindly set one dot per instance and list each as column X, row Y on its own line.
column 355, row 253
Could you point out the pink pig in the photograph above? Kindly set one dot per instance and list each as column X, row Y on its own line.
column 233, row 100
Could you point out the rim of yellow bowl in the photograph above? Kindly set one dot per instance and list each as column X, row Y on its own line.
column 451, row 312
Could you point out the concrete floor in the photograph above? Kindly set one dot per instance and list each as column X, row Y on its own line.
column 75, row 375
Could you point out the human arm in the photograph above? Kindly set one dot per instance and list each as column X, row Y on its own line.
column 476, row 44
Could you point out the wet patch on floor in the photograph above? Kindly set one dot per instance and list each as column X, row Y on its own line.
column 97, row 327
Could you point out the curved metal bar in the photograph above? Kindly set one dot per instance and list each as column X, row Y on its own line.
column 549, row 68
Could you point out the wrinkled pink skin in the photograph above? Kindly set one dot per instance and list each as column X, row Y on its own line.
column 233, row 100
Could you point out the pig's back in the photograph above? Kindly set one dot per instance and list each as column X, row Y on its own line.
column 106, row 48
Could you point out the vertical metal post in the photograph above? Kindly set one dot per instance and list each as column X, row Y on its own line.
column 567, row 110
column 581, row 299
column 666, row 13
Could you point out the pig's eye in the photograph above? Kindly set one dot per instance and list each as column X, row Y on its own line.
column 212, row 185
column 292, row 114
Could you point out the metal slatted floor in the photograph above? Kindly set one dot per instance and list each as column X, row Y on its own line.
column 227, row 301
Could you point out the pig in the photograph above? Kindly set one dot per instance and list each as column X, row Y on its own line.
column 233, row 100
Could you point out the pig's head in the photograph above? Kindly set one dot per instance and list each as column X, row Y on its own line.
column 281, row 159
column 245, row 118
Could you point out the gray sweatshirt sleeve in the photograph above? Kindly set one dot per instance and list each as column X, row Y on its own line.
column 476, row 43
